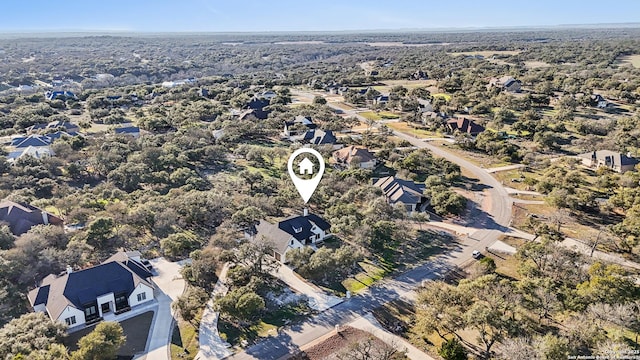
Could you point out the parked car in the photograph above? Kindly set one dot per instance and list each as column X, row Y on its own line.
column 476, row 254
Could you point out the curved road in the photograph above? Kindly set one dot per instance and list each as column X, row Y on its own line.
column 493, row 223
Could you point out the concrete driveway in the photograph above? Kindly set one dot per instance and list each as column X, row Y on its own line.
column 170, row 285
column 318, row 299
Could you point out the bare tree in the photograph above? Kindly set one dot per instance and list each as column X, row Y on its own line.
column 372, row 349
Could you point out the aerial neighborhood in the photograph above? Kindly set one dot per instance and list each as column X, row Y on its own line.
column 476, row 195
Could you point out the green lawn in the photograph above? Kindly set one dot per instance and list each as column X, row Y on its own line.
column 370, row 274
column 447, row 97
column 267, row 326
column 407, row 128
column 184, row 337
column 372, row 115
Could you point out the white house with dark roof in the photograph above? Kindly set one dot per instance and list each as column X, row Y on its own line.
column 291, row 233
column 613, row 160
column 402, row 192
column 101, row 292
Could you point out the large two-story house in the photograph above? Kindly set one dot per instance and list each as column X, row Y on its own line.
column 101, row 292
column 291, row 233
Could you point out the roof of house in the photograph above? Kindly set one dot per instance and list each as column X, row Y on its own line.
column 301, row 120
column 65, row 124
column 616, row 157
column 127, row 130
column 347, row 154
column 58, row 134
column 84, row 286
column 509, row 82
column 320, row 137
column 257, row 103
column 400, row 191
column 37, row 152
column 31, row 140
column 465, row 125
column 298, row 227
column 22, row 217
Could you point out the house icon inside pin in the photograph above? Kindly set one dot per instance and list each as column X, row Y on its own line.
column 306, row 166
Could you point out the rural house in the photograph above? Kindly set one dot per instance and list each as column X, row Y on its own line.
column 402, row 192
column 316, row 137
column 291, row 233
column 613, row 160
column 465, row 126
column 506, row 83
column 128, row 130
column 22, row 217
column 101, row 292
column 298, row 125
column 355, row 156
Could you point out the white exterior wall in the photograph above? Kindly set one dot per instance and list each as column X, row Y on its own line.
column 141, row 288
column 70, row 311
column 368, row 164
column 106, row 298
column 293, row 244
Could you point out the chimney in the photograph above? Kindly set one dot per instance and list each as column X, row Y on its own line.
column 305, row 212
column 69, row 269
column 45, row 217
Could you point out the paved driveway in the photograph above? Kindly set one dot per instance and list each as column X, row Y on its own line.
column 170, row 285
column 318, row 299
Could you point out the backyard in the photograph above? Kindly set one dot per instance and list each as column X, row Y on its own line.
column 136, row 330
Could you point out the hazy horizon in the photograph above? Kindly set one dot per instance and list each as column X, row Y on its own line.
column 246, row 16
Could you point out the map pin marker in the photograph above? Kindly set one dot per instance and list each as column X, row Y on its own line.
column 306, row 187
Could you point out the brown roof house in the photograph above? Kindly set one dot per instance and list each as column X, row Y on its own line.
column 613, row 160
column 355, row 156
column 291, row 233
column 403, row 192
column 22, row 217
column 465, row 126
column 101, row 292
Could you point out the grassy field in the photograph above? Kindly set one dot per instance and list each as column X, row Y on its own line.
column 407, row 128
column 447, row 97
column 184, row 340
column 634, row 60
column 478, row 159
column 268, row 326
column 372, row 115
column 536, row 64
column 370, row 273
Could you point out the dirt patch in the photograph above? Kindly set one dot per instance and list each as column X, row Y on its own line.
column 337, row 344
column 634, row 60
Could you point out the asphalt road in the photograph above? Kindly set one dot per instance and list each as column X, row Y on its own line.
column 493, row 223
